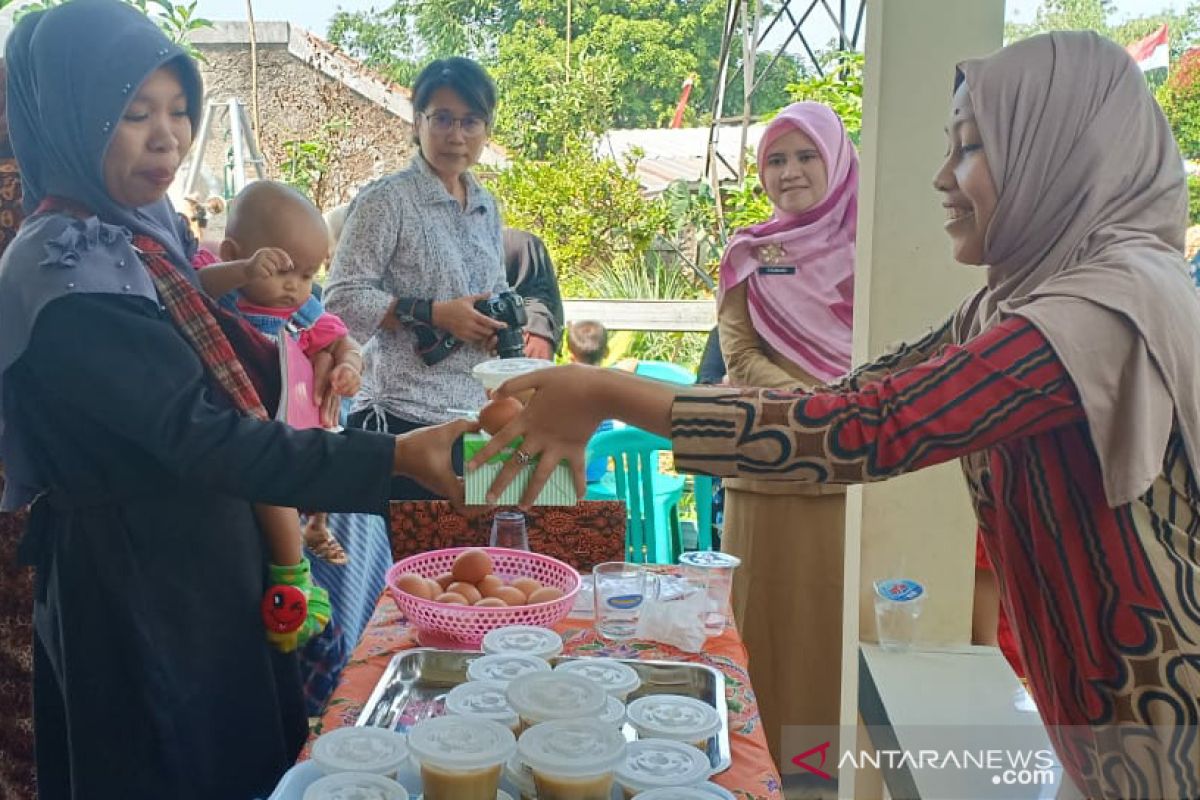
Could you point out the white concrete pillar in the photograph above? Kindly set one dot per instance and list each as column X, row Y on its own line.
column 907, row 282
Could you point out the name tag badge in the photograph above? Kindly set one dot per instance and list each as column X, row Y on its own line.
column 776, row 270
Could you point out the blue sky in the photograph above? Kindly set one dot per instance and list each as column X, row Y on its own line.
column 315, row 14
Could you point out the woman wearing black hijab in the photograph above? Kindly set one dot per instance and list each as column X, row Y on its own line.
column 140, row 438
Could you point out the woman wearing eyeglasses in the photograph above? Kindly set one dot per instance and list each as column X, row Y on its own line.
column 418, row 249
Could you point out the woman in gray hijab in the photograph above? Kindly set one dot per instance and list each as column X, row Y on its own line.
column 140, row 438
column 1067, row 388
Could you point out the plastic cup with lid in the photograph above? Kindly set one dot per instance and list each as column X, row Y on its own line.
column 898, row 604
column 483, row 699
column 461, row 757
column 519, row 777
column 572, row 759
column 343, row 785
column 712, row 571
column 529, row 640
column 611, row 675
column 361, row 749
column 541, row 697
column 504, row 667
column 661, row 763
column 703, row 791
column 496, row 371
column 670, row 716
column 614, row 712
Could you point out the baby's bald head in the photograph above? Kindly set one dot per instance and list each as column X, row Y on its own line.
column 273, row 214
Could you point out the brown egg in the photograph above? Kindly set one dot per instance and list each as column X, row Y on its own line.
column 444, row 580
column 471, row 566
column 526, row 586
column 488, row 586
column 545, row 595
column 498, row 413
column 490, row 602
column 452, row 597
column 465, row 589
column 510, row 595
column 415, row 585
column 435, row 588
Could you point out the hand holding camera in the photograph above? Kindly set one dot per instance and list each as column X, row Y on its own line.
column 460, row 318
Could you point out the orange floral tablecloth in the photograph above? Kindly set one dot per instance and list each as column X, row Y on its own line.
column 753, row 774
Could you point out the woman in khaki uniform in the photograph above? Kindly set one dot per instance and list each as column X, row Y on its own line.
column 785, row 318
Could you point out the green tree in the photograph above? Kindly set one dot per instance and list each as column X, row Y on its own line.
column 841, row 89
column 1180, row 101
column 177, row 20
column 590, row 212
column 645, row 49
column 1096, row 15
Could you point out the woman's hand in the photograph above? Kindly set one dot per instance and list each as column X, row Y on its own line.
column 459, row 317
column 425, row 456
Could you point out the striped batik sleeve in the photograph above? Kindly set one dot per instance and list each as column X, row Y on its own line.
column 1004, row 384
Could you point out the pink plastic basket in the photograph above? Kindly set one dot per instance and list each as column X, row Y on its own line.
column 469, row 624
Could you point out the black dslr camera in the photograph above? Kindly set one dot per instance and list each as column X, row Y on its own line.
column 509, row 308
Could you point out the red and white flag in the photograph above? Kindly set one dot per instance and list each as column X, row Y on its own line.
column 1151, row 52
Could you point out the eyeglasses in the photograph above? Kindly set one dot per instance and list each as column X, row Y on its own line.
column 443, row 122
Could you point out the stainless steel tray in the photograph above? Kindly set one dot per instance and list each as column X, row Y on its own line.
column 415, row 683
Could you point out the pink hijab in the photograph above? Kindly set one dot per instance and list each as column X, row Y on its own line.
column 806, row 314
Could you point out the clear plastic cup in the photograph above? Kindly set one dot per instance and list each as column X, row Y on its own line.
column 483, row 699
column 620, row 590
column 378, row 751
column 542, row 697
column 342, row 785
column 618, row 679
column 703, row 791
column 504, row 667
column 496, row 371
column 614, row 712
column 670, row 716
column 898, row 604
column 527, row 639
column 461, row 757
column 661, row 763
column 520, row 777
column 712, row 571
column 572, row 759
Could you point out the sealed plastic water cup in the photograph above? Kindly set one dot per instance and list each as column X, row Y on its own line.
column 713, row 571
column 505, row 667
column 670, row 716
column 528, row 639
column 615, row 678
column 572, row 759
column 703, row 791
column 897, row 608
column 661, row 763
column 361, row 749
column 461, row 757
column 342, row 785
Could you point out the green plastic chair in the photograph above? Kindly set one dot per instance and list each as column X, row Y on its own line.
column 651, row 497
column 665, row 371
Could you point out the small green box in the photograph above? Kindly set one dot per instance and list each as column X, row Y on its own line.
column 558, row 491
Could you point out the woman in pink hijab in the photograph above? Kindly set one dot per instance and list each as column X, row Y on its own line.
column 786, row 301
column 1067, row 387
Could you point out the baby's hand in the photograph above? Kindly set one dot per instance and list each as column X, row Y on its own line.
column 265, row 262
column 345, row 380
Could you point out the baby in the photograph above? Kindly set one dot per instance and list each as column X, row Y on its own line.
column 275, row 241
